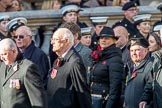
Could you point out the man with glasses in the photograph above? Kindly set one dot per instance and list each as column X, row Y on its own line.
column 23, row 39
column 67, row 86
column 130, row 10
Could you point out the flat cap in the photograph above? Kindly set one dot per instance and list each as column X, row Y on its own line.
column 141, row 18
column 107, row 32
column 99, row 20
column 129, row 5
column 71, row 7
column 4, row 18
column 15, row 23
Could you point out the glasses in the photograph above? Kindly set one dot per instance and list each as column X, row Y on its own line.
column 18, row 36
column 54, row 39
column 133, row 10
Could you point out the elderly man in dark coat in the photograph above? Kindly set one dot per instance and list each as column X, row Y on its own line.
column 23, row 39
column 67, row 84
column 138, row 92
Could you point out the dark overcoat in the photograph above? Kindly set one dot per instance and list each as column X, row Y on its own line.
column 67, row 84
column 139, row 84
column 106, row 76
column 38, row 57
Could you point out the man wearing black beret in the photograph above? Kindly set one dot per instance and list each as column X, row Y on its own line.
column 139, row 75
column 130, row 10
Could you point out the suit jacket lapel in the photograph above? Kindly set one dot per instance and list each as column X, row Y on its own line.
column 3, row 73
column 12, row 71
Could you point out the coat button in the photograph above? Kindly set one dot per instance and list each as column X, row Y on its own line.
column 103, row 91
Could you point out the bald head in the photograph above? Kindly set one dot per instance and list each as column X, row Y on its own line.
column 120, row 31
column 64, row 33
column 25, row 29
column 62, row 40
column 122, row 35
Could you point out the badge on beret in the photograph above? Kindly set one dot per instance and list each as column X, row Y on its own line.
column 53, row 73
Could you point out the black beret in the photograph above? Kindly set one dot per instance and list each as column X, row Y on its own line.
column 138, row 41
column 129, row 5
column 107, row 32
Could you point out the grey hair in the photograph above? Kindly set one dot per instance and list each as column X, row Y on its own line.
column 8, row 44
column 67, row 34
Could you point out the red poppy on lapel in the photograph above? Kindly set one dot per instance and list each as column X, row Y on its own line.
column 134, row 74
column 104, row 62
column 15, row 68
column 53, row 73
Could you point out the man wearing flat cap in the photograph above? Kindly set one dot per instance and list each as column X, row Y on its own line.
column 3, row 32
column 130, row 10
column 138, row 92
column 106, row 72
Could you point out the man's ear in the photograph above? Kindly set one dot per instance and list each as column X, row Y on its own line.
column 14, row 50
column 138, row 27
column 76, row 36
column 64, row 18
